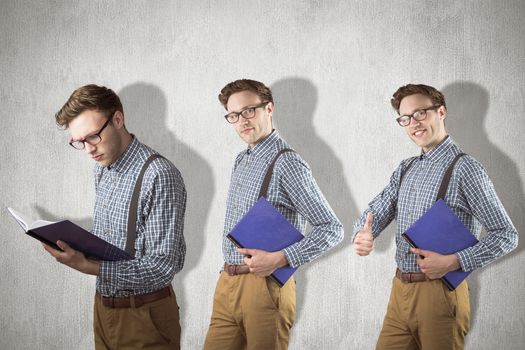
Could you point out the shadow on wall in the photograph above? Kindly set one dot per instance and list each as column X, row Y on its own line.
column 296, row 100
column 146, row 116
column 468, row 104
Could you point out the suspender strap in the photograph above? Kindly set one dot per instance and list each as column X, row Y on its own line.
column 404, row 171
column 133, row 207
column 446, row 178
column 266, row 182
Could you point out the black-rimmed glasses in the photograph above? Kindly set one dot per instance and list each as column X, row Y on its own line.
column 247, row 113
column 418, row 115
column 91, row 139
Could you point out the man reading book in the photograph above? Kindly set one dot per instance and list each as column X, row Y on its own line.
column 249, row 309
column 135, row 306
column 422, row 313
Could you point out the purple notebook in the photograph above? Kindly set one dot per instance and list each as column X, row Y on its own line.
column 264, row 227
column 440, row 230
column 79, row 239
column 75, row 236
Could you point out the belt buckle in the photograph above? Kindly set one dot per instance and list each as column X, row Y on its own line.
column 232, row 270
column 136, row 301
column 109, row 301
column 406, row 277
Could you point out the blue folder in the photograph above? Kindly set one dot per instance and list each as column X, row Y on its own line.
column 264, row 227
column 440, row 230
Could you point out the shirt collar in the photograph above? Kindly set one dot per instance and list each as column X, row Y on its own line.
column 122, row 164
column 265, row 145
column 439, row 151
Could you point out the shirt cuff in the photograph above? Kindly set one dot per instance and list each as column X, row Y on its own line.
column 108, row 272
column 353, row 236
column 293, row 255
column 466, row 259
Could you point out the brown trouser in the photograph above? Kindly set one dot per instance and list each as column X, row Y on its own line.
column 151, row 326
column 251, row 312
column 425, row 315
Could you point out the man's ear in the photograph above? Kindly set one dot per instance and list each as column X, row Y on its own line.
column 442, row 112
column 118, row 119
column 269, row 108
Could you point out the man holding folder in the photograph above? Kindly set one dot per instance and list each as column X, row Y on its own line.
column 249, row 309
column 422, row 313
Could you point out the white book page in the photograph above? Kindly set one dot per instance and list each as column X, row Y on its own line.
column 40, row 223
column 25, row 222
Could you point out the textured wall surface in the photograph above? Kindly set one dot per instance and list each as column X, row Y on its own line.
column 333, row 66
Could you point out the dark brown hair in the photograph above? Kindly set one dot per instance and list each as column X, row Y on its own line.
column 435, row 96
column 88, row 97
column 254, row 86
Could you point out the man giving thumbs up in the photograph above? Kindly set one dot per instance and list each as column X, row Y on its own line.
column 422, row 313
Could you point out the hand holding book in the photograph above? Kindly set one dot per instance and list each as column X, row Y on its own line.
column 439, row 233
column 263, row 263
column 435, row 265
column 73, row 258
column 76, row 237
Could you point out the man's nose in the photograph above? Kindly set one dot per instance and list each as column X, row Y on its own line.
column 416, row 122
column 88, row 148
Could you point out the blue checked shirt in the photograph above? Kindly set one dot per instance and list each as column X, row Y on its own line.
column 159, row 246
column 293, row 191
column 470, row 195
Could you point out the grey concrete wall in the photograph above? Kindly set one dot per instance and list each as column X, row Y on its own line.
column 333, row 66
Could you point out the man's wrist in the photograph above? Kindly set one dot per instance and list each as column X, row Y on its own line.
column 281, row 259
column 453, row 262
column 90, row 267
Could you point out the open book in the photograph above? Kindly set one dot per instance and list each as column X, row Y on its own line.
column 75, row 236
column 27, row 223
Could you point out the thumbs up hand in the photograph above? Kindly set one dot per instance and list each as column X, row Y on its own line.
column 364, row 240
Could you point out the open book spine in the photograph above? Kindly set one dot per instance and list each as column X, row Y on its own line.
column 43, row 240
column 273, row 278
column 234, row 241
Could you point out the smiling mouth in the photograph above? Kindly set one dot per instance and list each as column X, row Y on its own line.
column 418, row 132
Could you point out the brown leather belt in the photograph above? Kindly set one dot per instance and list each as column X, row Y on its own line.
column 411, row 277
column 233, row 270
column 134, row 300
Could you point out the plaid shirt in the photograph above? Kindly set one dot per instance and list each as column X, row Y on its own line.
column 159, row 246
column 470, row 195
column 293, row 191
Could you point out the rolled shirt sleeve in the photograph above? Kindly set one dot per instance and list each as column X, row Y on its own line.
column 485, row 206
column 307, row 199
